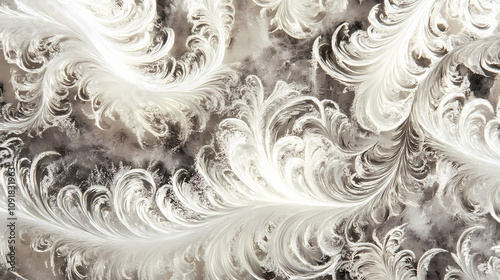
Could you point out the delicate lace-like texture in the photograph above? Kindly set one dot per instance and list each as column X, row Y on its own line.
column 117, row 57
column 284, row 182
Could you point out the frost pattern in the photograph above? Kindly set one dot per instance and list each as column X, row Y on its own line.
column 386, row 260
column 294, row 174
column 118, row 58
column 385, row 63
column 288, row 185
column 466, row 261
column 298, row 18
column 462, row 128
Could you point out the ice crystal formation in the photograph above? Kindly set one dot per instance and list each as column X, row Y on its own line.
column 259, row 139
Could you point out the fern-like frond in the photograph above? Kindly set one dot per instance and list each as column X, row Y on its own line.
column 385, row 63
column 118, row 59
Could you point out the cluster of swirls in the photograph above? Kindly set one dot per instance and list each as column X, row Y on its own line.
column 117, row 57
column 289, row 186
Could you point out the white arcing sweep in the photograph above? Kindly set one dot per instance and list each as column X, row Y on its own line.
column 385, row 63
column 271, row 194
column 118, row 59
column 464, row 129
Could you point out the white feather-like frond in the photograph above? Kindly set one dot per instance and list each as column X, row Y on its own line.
column 298, row 18
column 119, row 60
column 463, row 129
column 289, row 186
column 385, row 63
column 386, row 261
column 305, row 142
column 468, row 267
column 270, row 196
column 175, row 222
column 394, row 171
